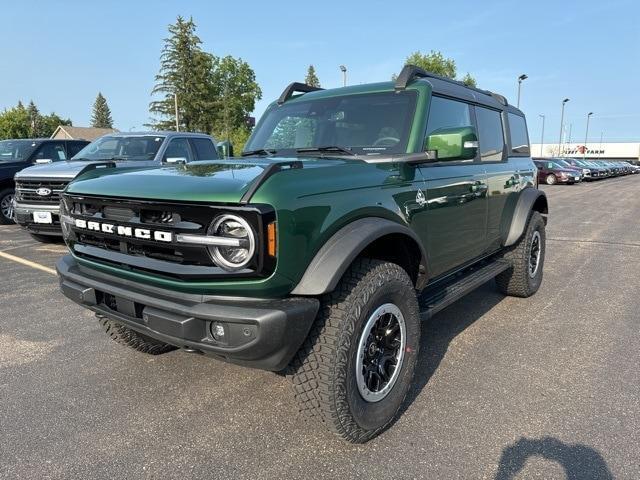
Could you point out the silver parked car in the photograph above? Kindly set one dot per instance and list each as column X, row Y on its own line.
column 38, row 188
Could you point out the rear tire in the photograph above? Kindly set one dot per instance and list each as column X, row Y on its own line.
column 524, row 277
column 6, row 206
column 356, row 366
column 132, row 339
column 551, row 179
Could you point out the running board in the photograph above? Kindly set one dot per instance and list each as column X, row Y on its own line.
column 434, row 299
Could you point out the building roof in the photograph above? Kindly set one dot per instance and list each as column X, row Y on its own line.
column 80, row 133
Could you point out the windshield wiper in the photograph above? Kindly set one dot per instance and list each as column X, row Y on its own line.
column 260, row 151
column 328, row 148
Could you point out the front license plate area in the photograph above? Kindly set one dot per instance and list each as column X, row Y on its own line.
column 42, row 217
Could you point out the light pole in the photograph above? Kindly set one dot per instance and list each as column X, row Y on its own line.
column 175, row 105
column 586, row 135
column 521, row 78
column 600, row 150
column 542, row 135
column 343, row 69
column 561, row 125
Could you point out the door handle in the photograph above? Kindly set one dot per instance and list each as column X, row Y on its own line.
column 512, row 182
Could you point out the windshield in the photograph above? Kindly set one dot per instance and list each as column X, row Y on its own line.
column 121, row 148
column 16, row 150
column 365, row 124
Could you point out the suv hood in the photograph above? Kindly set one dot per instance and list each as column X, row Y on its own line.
column 206, row 181
column 67, row 170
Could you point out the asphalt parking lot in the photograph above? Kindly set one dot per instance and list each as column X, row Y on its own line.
column 546, row 387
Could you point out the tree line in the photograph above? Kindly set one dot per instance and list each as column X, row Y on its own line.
column 210, row 94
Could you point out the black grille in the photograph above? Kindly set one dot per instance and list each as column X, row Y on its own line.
column 26, row 191
column 170, row 259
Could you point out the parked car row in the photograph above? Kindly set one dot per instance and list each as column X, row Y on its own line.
column 573, row 170
column 36, row 171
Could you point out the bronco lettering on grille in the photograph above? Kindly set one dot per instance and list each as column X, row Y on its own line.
column 124, row 231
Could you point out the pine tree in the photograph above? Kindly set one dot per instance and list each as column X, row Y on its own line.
column 35, row 119
column 101, row 116
column 185, row 71
column 311, row 78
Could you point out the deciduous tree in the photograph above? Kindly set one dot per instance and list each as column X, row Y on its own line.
column 436, row 62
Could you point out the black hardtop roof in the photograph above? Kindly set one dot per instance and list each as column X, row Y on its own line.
column 454, row 88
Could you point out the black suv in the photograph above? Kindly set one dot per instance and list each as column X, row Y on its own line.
column 18, row 154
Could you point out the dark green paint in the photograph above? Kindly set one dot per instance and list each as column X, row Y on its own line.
column 455, row 208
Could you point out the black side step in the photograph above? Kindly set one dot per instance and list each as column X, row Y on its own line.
column 432, row 300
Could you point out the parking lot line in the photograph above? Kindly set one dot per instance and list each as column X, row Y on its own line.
column 26, row 262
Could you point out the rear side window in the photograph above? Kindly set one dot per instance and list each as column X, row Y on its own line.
column 445, row 113
column 490, row 133
column 519, row 135
column 204, row 149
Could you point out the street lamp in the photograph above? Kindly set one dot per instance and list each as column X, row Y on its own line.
column 561, row 125
column 542, row 135
column 343, row 69
column 521, row 78
column 586, row 135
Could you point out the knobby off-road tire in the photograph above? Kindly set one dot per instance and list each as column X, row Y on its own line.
column 132, row 339
column 324, row 371
column 524, row 278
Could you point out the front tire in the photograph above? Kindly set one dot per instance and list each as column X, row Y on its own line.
column 6, row 206
column 132, row 339
column 524, row 277
column 355, row 368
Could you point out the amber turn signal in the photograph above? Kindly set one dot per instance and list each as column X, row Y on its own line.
column 271, row 239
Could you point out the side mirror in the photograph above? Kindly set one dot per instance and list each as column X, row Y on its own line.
column 175, row 160
column 225, row 149
column 43, row 160
column 457, row 143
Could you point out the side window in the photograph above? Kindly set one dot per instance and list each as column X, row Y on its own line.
column 178, row 148
column 51, row 151
column 490, row 133
column 445, row 113
column 204, row 149
column 519, row 135
column 74, row 147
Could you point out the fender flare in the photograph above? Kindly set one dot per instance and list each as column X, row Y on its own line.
column 526, row 202
column 333, row 259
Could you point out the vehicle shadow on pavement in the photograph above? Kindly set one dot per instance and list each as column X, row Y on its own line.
column 577, row 460
column 440, row 330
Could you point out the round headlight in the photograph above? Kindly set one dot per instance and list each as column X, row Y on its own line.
column 233, row 257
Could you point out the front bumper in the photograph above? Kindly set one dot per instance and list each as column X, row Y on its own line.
column 259, row 333
column 23, row 215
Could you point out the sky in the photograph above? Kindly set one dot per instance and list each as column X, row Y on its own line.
column 61, row 53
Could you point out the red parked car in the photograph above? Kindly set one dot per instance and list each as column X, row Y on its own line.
column 552, row 172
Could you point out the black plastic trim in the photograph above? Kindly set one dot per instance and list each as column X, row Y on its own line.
column 277, row 326
column 332, row 260
column 526, row 200
column 296, row 87
column 265, row 175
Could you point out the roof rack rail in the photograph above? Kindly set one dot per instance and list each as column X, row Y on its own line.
column 296, row 87
column 411, row 72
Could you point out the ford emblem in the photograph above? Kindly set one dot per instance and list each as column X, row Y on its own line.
column 43, row 192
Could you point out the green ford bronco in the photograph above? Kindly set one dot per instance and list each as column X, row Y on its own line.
column 354, row 213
